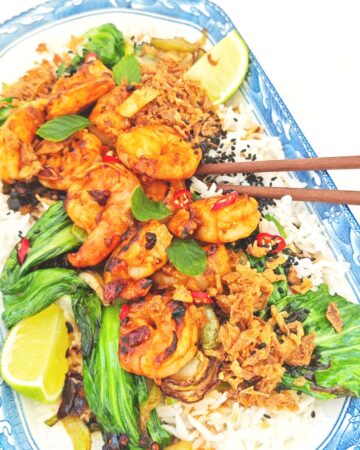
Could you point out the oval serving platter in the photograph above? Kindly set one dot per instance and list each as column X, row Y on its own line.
column 21, row 421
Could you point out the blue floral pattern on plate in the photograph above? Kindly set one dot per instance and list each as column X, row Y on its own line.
column 340, row 224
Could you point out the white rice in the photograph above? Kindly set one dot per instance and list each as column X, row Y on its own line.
column 213, row 422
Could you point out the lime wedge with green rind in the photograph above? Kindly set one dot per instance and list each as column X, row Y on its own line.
column 33, row 359
column 222, row 70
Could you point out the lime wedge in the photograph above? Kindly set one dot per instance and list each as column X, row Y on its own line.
column 223, row 68
column 33, row 360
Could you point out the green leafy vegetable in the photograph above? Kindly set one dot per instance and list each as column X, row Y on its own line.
column 156, row 431
column 145, row 209
column 280, row 228
column 60, row 70
column 187, row 256
column 73, row 67
column 257, row 262
column 5, row 108
column 87, row 310
column 335, row 369
column 107, row 42
column 52, row 235
column 280, row 288
column 127, row 67
column 62, row 127
column 109, row 389
column 36, row 291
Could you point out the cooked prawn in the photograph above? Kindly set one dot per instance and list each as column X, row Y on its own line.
column 140, row 254
column 72, row 94
column 158, row 337
column 227, row 224
column 217, row 265
column 158, row 152
column 161, row 191
column 107, row 123
column 17, row 157
column 100, row 203
column 65, row 160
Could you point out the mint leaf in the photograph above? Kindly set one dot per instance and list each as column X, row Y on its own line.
column 187, row 256
column 145, row 209
column 62, row 127
column 127, row 67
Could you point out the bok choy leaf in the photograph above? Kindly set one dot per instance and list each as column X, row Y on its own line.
column 52, row 235
column 36, row 291
column 335, row 369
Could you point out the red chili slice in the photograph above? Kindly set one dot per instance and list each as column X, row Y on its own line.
column 110, row 159
column 201, row 298
column 226, row 200
column 276, row 242
column 92, row 56
column 182, row 198
column 124, row 312
column 23, row 250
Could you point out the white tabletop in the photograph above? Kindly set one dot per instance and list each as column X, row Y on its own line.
column 310, row 51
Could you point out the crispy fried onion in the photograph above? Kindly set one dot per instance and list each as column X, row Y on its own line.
column 253, row 352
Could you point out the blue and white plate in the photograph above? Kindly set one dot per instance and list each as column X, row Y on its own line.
column 53, row 22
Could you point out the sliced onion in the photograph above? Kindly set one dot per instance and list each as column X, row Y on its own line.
column 95, row 281
column 179, row 44
column 193, row 381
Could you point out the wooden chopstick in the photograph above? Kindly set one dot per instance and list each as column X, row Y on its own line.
column 306, row 195
column 281, row 165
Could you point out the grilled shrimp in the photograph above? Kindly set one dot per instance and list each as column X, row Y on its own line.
column 158, row 152
column 72, row 94
column 217, row 265
column 228, row 223
column 107, row 123
column 140, row 254
column 158, row 336
column 65, row 160
column 17, row 157
column 100, row 203
column 161, row 191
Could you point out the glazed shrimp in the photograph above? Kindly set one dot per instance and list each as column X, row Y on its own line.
column 226, row 224
column 65, row 160
column 100, row 203
column 217, row 265
column 17, row 157
column 161, row 191
column 158, row 336
column 71, row 95
column 140, row 254
column 107, row 123
column 158, row 152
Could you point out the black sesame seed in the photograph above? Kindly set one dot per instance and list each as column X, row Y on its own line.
column 273, row 178
column 313, row 414
column 267, row 416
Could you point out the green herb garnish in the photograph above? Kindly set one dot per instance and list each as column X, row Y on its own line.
column 187, row 256
column 145, row 209
column 5, row 109
column 62, row 127
column 129, row 68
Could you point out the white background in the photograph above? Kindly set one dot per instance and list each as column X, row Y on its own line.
column 310, row 50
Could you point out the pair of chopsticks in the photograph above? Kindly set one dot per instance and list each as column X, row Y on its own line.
column 289, row 165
